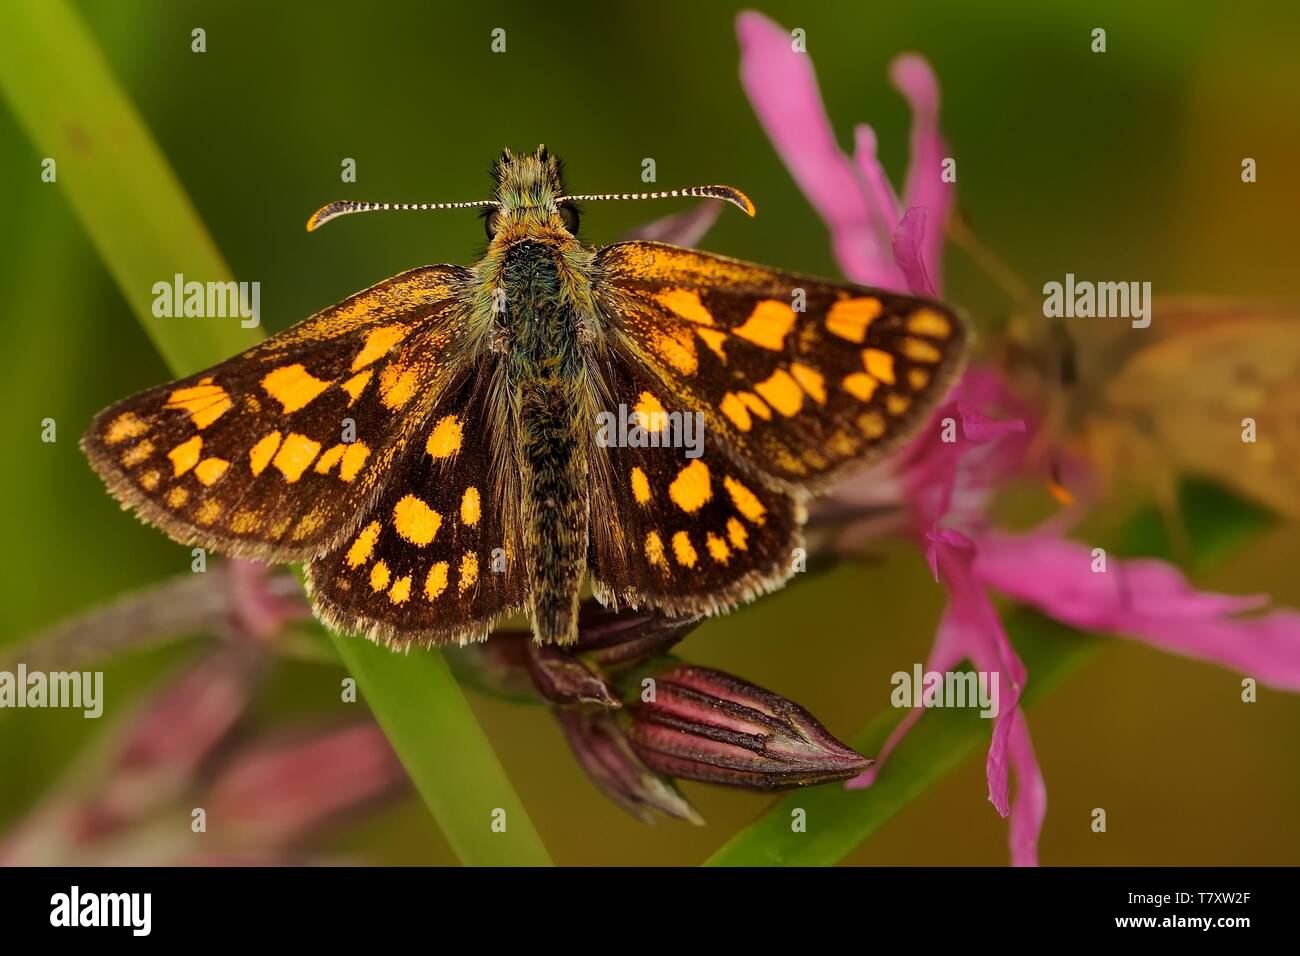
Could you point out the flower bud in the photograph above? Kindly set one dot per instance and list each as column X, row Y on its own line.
column 598, row 741
column 702, row 724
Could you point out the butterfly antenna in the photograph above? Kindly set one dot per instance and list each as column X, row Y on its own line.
column 726, row 193
column 346, row 207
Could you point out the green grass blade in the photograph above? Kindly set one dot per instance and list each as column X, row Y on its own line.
column 144, row 227
column 454, row 768
column 120, row 185
column 839, row 820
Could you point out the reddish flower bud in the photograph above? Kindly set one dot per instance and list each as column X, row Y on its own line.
column 562, row 678
column 603, row 750
column 705, row 725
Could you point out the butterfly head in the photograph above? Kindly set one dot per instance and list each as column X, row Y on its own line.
column 528, row 201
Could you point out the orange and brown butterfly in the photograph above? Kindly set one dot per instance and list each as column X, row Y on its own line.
column 431, row 448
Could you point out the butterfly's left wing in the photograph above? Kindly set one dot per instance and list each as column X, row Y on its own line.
column 802, row 379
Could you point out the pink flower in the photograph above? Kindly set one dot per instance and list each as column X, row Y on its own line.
column 878, row 241
column 938, row 488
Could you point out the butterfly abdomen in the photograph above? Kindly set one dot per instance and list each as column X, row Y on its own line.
column 553, row 436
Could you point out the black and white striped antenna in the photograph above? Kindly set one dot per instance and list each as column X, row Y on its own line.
column 726, row 193
column 347, row 207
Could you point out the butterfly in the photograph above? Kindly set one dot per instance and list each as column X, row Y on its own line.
column 437, row 447
column 1211, row 389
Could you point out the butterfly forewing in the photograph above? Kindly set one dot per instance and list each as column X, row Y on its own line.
column 803, row 378
column 274, row 453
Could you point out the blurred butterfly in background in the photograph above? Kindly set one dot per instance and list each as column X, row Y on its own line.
column 1143, row 406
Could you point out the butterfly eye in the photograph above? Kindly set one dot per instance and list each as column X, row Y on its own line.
column 569, row 216
column 490, row 223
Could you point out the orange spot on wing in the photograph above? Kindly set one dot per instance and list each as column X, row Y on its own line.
column 127, row 425
column 919, row 350
column 926, row 321
column 210, row 469
column 654, row 550
column 677, row 347
column 879, row 365
column 293, row 387
column 470, row 506
column 415, row 521
column 811, row 381
column 715, row 340
column 185, row 455
column 295, row 454
column 640, row 486
column 397, row 385
column 732, row 406
column 782, row 392
column 683, row 550
column 205, row 402
column 768, row 325
column 468, row 571
column 444, row 440
column 355, row 456
column 378, row 343
column 259, row 456
column 401, row 590
column 849, row 318
column 686, row 304
column 860, row 385
column 363, row 546
column 357, row 384
column 692, row 487
column 746, row 501
column 435, row 582
column 650, row 413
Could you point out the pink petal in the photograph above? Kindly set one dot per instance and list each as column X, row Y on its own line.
column 980, row 428
column 684, row 228
column 1030, row 805
column 783, row 90
column 1147, row 600
column 925, row 187
column 908, row 244
column 880, row 193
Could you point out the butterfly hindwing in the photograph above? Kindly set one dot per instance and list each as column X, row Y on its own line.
column 436, row 560
column 274, row 453
column 691, row 534
column 803, row 378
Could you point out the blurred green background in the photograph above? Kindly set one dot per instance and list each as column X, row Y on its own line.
column 1123, row 165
